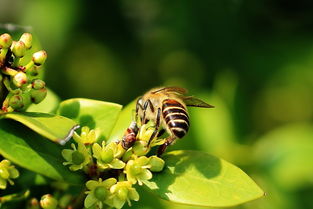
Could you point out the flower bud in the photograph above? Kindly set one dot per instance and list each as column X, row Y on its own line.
column 27, row 39
column 48, row 202
column 40, row 57
column 156, row 163
column 38, row 84
column 5, row 41
column 77, row 157
column 33, row 204
column 38, row 95
column 16, row 102
column 101, row 193
column 19, row 49
column 19, row 79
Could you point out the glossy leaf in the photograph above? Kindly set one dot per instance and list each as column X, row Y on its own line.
column 48, row 105
column 92, row 113
column 31, row 151
column 123, row 121
column 200, row 179
column 56, row 128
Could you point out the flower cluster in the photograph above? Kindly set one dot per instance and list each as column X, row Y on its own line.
column 7, row 173
column 20, row 85
column 114, row 169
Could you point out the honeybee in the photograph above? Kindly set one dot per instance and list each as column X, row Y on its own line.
column 167, row 108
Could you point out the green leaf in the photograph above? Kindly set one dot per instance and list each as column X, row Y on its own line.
column 56, row 128
column 29, row 150
column 285, row 155
column 48, row 105
column 123, row 121
column 200, row 179
column 92, row 113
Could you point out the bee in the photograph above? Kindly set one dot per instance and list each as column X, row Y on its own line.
column 167, row 108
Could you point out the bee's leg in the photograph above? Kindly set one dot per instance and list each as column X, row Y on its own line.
column 168, row 142
column 138, row 106
column 157, row 126
column 147, row 104
column 161, row 132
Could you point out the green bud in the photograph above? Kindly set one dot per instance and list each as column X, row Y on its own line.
column 27, row 39
column 5, row 41
column 38, row 95
column 40, row 57
column 19, row 79
column 156, row 163
column 38, row 84
column 101, row 193
column 48, row 202
column 20, row 101
column 18, row 49
column 16, row 102
column 77, row 158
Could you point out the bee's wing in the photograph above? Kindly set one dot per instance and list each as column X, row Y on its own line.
column 173, row 89
column 196, row 102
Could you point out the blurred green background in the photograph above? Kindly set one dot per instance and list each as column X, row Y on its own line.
column 253, row 60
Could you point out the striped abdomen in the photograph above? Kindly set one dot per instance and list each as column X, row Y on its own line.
column 176, row 117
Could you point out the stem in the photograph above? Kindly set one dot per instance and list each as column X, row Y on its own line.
column 9, row 71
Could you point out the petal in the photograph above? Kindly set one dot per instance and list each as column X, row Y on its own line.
column 75, row 167
column 117, row 164
column 3, row 183
column 131, row 178
column 85, row 130
column 96, row 149
column 143, row 160
column 103, row 166
column 133, row 194
column 90, row 200
column 13, row 173
column 108, row 182
column 92, row 184
column 67, row 154
column 118, row 203
column 145, row 175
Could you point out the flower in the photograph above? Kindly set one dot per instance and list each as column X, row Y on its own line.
column 137, row 170
column 76, row 158
column 87, row 136
column 99, row 192
column 107, row 156
column 122, row 192
column 7, row 173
